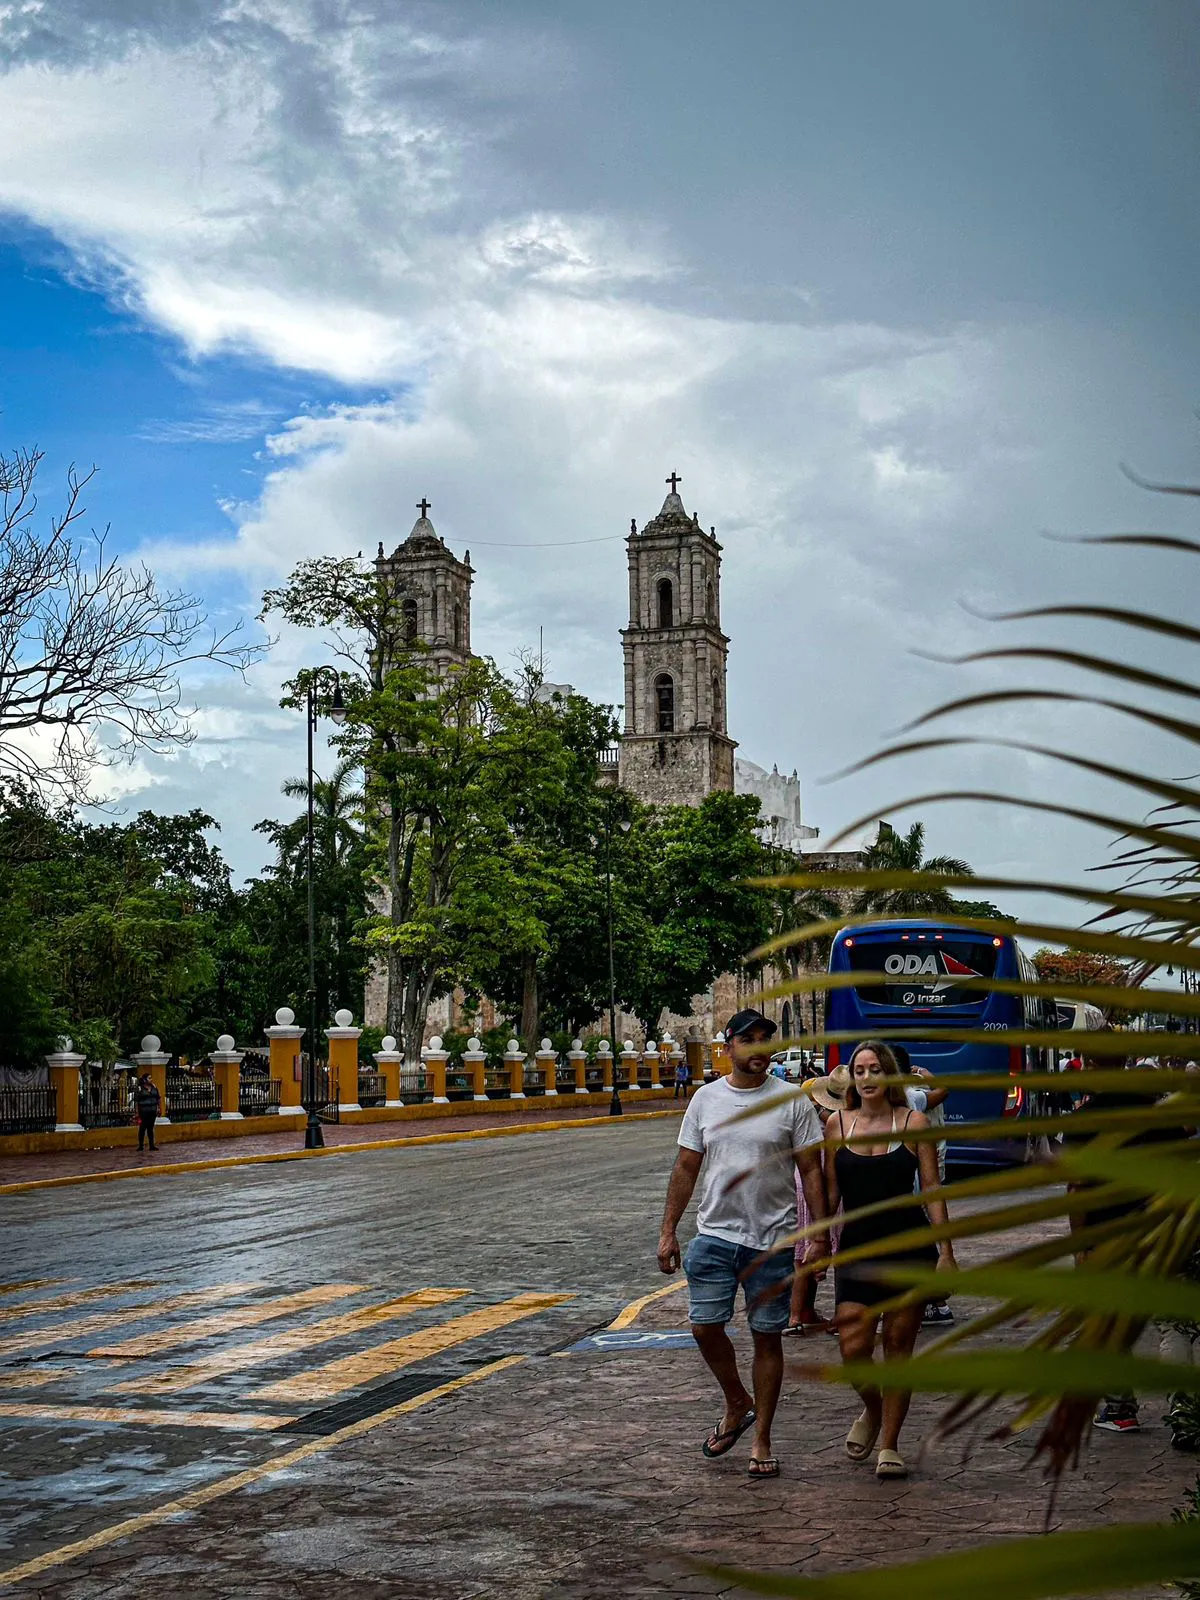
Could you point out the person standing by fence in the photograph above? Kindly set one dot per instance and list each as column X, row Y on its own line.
column 147, row 1104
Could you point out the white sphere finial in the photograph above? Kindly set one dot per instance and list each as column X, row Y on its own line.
column 603, row 1045
column 629, row 1044
column 224, row 1043
column 343, row 1018
column 388, row 1045
column 65, row 1045
column 576, row 1044
column 514, row 1047
column 436, row 1042
column 650, row 1045
column 473, row 1044
column 546, row 1045
column 285, row 1016
column 151, row 1044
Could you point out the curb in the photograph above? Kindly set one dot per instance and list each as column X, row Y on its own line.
column 330, row 1150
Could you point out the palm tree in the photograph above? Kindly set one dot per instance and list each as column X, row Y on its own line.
column 337, row 810
column 905, row 852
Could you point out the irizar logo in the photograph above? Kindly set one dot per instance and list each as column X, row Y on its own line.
column 915, row 964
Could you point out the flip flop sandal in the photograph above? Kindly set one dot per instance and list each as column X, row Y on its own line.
column 890, row 1465
column 793, row 1329
column 860, row 1441
column 766, row 1467
column 718, row 1443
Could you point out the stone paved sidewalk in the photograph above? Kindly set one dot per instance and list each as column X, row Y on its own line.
column 73, row 1163
column 576, row 1476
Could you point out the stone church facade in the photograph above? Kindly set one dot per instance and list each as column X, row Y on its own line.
column 675, row 747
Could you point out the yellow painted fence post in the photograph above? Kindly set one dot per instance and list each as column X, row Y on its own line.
column 343, row 1061
column 514, row 1060
column 64, row 1067
column 285, row 1040
column 577, row 1056
column 388, row 1061
column 153, row 1058
column 547, row 1060
column 227, row 1072
column 435, row 1059
column 604, row 1059
column 475, row 1061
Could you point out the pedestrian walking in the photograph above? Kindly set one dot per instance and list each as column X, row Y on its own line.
column 926, row 1096
column 147, row 1104
column 827, row 1095
column 745, row 1134
column 683, row 1078
column 884, row 1169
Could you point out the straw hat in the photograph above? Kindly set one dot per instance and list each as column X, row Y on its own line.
column 830, row 1092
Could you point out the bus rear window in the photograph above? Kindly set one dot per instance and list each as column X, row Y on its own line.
column 926, row 973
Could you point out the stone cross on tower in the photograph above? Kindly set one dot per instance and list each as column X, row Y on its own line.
column 423, row 506
column 675, row 748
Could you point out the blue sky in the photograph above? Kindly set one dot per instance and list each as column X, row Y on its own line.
column 894, row 287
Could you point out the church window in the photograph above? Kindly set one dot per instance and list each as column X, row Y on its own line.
column 435, row 614
column 410, row 621
column 716, row 700
column 664, row 695
column 785, row 1025
column 710, row 608
column 458, row 627
column 666, row 603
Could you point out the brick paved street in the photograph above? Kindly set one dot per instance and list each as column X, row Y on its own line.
column 565, row 1474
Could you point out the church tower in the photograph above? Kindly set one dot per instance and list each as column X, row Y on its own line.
column 434, row 589
column 675, row 748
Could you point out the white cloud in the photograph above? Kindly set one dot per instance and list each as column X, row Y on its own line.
column 326, row 191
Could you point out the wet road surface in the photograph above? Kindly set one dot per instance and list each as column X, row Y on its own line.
column 157, row 1336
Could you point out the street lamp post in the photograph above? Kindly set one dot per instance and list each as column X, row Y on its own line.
column 311, row 1097
column 615, row 1109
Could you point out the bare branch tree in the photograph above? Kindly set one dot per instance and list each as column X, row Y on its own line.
column 90, row 649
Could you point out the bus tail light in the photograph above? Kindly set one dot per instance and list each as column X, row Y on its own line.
column 1015, row 1102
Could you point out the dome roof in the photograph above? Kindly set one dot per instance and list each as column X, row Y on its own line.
column 672, row 517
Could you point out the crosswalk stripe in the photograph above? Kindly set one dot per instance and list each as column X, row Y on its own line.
column 352, row 1371
column 28, row 1283
column 238, row 1421
column 152, row 1344
column 36, row 1377
column 67, row 1302
column 261, row 1352
column 102, row 1321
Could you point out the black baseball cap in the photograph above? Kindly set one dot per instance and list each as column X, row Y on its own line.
column 743, row 1021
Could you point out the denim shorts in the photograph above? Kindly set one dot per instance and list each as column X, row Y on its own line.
column 715, row 1267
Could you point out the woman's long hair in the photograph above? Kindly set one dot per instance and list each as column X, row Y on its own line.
column 887, row 1060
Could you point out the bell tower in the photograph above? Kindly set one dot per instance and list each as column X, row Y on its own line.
column 675, row 748
column 434, row 589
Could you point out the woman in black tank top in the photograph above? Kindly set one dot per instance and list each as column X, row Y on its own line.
column 885, row 1169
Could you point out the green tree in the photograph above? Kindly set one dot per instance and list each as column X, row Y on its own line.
column 905, row 852
column 690, row 867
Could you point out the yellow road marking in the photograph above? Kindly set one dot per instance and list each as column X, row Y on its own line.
column 28, row 1283
column 104, row 1320
column 169, row 1168
column 35, row 1377
column 239, row 1421
column 152, row 1344
column 351, row 1371
column 260, row 1352
column 195, row 1498
column 78, row 1297
column 626, row 1318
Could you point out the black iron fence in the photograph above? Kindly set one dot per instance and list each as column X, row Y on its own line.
column 31, row 1109
column 104, row 1103
column 191, row 1099
column 258, row 1096
column 414, row 1087
column 372, row 1089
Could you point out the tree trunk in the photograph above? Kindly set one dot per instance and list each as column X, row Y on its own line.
column 529, row 1002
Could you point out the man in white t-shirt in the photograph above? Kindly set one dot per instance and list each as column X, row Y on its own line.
column 746, row 1134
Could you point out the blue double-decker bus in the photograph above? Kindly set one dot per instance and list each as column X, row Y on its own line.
column 924, row 965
